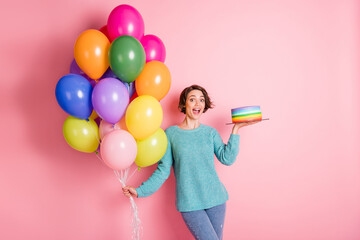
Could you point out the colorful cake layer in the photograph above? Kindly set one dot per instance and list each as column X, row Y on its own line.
column 246, row 114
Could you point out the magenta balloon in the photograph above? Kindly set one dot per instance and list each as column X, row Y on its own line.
column 118, row 149
column 154, row 48
column 125, row 20
column 110, row 99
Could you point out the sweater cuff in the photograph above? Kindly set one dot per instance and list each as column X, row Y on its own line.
column 234, row 137
column 139, row 192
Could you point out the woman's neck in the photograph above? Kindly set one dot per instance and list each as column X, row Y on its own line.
column 189, row 123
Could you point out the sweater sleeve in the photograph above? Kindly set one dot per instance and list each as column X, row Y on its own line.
column 159, row 176
column 226, row 153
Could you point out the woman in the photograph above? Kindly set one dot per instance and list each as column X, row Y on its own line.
column 200, row 196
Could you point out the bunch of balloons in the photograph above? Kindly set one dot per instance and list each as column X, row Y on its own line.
column 118, row 75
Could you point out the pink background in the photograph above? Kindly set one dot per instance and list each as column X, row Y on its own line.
column 297, row 176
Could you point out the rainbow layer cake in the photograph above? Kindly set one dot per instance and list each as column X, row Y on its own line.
column 246, row 114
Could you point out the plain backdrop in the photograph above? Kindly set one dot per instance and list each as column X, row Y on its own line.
column 297, row 176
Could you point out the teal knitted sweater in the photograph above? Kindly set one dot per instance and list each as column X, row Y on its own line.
column 191, row 154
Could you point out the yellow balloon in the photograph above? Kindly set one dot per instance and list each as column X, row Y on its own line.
column 81, row 134
column 151, row 149
column 143, row 116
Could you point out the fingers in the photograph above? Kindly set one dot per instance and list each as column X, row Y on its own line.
column 133, row 192
column 251, row 123
column 129, row 191
column 126, row 191
column 244, row 124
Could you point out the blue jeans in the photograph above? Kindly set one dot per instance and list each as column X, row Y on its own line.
column 207, row 224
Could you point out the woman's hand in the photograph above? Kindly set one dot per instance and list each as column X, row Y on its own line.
column 129, row 191
column 237, row 126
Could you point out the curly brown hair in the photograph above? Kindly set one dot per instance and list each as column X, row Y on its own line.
column 185, row 92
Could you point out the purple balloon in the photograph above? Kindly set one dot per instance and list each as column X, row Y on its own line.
column 110, row 99
column 130, row 86
column 74, row 68
column 92, row 82
column 109, row 74
column 154, row 48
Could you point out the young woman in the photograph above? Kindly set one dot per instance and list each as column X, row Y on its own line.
column 200, row 196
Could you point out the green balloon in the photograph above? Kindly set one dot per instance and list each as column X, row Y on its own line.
column 127, row 58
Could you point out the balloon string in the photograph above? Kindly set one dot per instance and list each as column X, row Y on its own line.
column 102, row 161
column 96, row 152
column 135, row 170
column 97, row 155
column 135, row 223
column 123, row 175
column 93, row 132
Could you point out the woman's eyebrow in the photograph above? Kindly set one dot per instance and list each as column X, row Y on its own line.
column 195, row 96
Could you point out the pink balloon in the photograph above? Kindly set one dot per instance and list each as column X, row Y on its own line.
column 154, row 48
column 118, row 149
column 125, row 20
column 105, row 128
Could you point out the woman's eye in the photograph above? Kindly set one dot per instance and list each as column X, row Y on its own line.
column 202, row 100
column 191, row 100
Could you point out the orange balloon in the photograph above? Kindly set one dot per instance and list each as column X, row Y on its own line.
column 154, row 80
column 91, row 53
column 94, row 115
column 122, row 124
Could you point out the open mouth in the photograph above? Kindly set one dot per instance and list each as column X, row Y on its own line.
column 196, row 111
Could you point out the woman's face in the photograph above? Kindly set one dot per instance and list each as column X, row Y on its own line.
column 195, row 104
